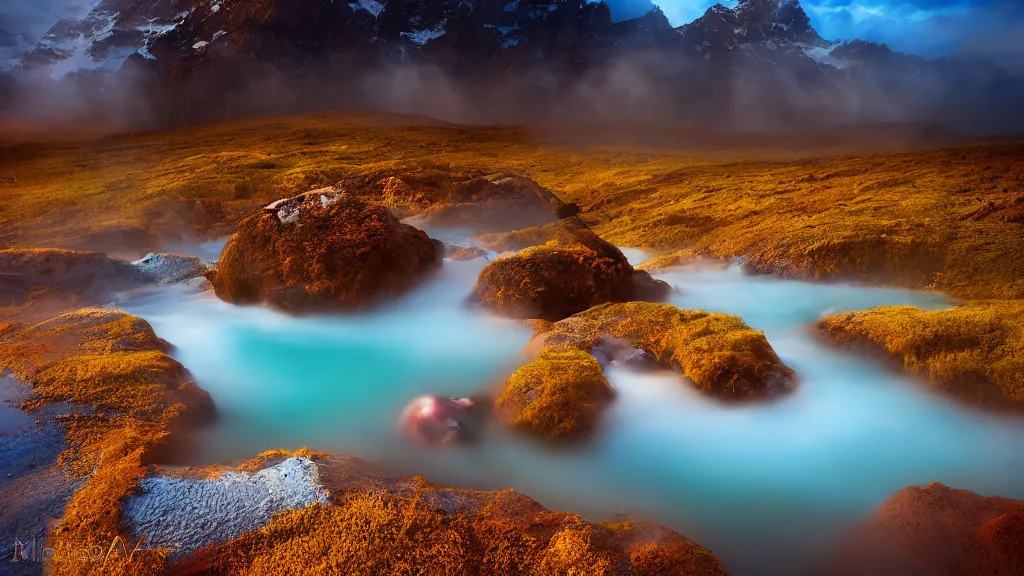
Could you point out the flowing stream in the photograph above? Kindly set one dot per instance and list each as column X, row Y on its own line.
column 766, row 487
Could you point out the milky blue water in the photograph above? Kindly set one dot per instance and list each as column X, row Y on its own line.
column 765, row 487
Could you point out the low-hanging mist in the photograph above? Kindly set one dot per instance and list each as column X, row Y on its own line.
column 767, row 487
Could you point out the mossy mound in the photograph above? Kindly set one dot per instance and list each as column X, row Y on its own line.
column 570, row 273
column 324, row 249
column 974, row 352
column 383, row 526
column 723, row 356
column 558, row 395
column 500, row 202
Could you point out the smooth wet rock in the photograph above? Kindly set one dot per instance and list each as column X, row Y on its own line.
column 170, row 268
column 436, row 420
column 188, row 513
column 323, row 249
column 649, row 289
column 611, row 351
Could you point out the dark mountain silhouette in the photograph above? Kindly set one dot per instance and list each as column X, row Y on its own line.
column 758, row 65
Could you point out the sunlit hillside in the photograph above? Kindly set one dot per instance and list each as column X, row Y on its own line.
column 947, row 218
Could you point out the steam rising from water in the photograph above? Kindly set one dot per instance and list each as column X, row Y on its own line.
column 765, row 487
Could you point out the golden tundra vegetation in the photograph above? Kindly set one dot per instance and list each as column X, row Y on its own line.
column 949, row 220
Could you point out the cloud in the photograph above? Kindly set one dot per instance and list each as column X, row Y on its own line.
column 23, row 22
column 34, row 17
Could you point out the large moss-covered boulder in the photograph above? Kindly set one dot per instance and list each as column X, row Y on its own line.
column 556, row 396
column 568, row 274
column 323, row 249
column 719, row 353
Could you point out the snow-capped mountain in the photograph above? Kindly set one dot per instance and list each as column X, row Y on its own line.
column 760, row 60
column 117, row 29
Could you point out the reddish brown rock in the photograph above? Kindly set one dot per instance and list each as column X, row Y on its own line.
column 323, row 249
column 569, row 274
column 935, row 531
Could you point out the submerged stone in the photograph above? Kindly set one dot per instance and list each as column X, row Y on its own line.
column 435, row 420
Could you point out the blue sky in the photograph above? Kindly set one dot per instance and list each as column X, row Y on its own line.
column 928, row 27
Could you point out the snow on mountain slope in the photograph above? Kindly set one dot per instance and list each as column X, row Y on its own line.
column 111, row 32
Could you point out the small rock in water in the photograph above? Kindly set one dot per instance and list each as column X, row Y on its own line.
column 462, row 253
column 611, row 351
column 435, row 420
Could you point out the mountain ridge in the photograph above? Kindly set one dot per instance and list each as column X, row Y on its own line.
column 759, row 63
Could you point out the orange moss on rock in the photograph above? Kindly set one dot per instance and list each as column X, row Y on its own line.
column 807, row 207
column 320, row 250
column 557, row 396
column 723, row 356
column 434, row 530
column 973, row 352
column 573, row 271
column 131, row 396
